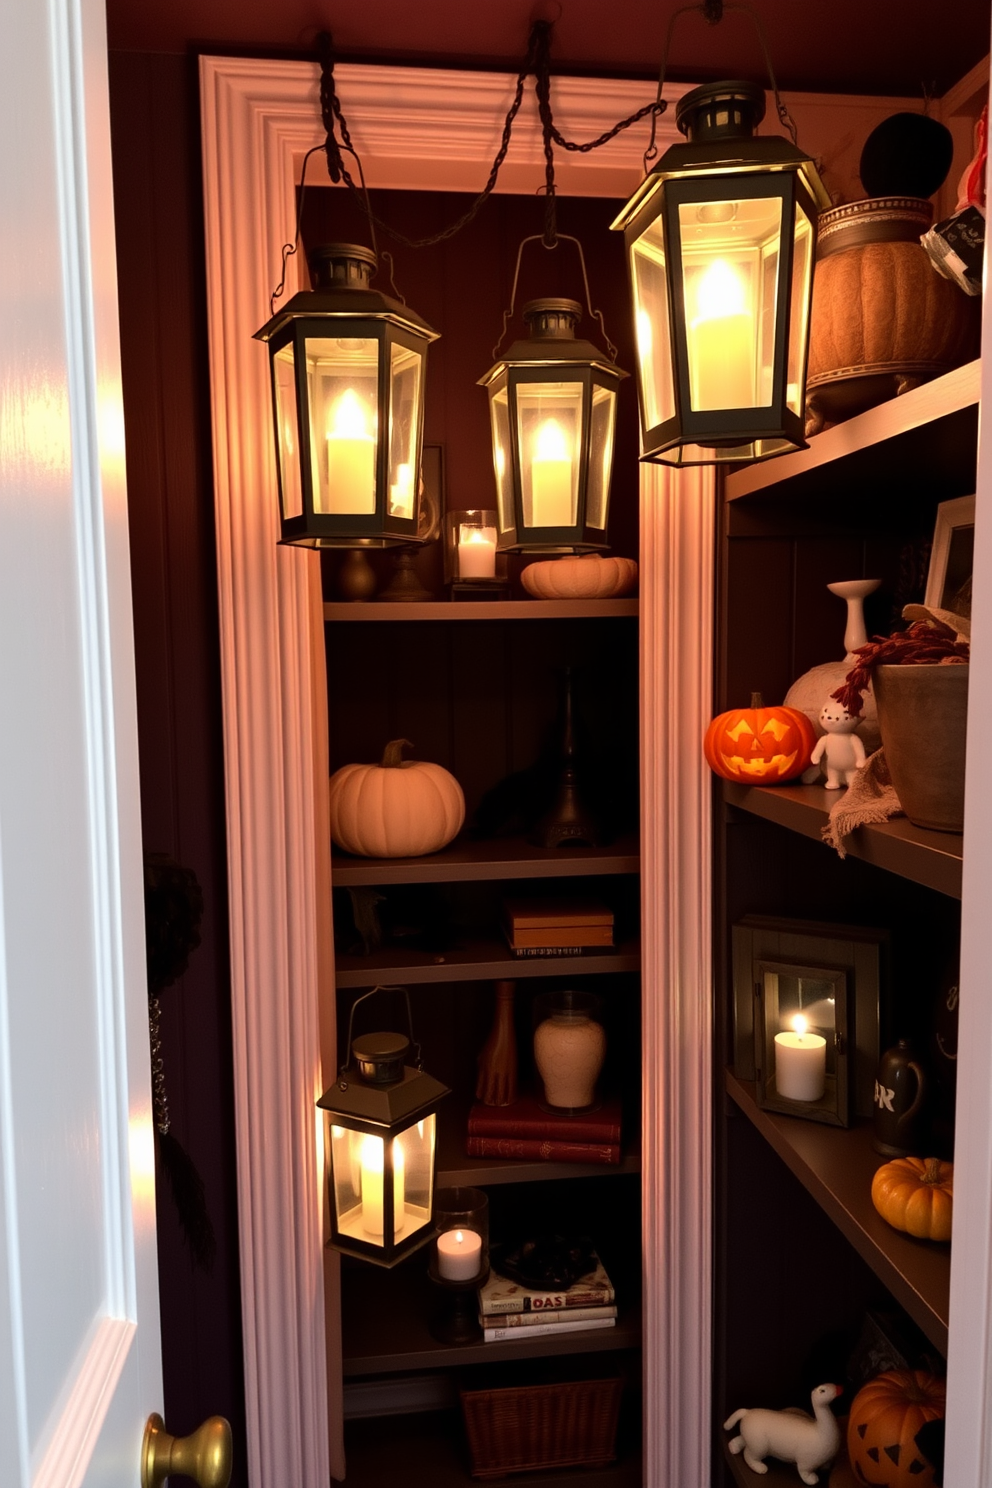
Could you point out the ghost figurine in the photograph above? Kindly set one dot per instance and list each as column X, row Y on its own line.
column 840, row 752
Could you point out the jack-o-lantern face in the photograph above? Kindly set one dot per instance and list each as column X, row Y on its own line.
column 759, row 745
column 887, row 1415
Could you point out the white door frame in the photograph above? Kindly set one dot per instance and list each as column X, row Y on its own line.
column 422, row 128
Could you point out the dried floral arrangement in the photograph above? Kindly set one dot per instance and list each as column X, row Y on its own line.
column 927, row 642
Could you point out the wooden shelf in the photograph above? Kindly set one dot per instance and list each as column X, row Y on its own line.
column 479, row 961
column 929, row 858
column 836, row 1165
column 470, row 861
column 496, row 609
column 456, row 1170
column 429, row 1451
column 385, row 1328
column 929, row 432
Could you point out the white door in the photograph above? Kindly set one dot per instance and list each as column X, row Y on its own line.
column 80, row 1365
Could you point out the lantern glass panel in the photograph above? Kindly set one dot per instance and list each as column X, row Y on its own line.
column 405, row 372
column 730, row 262
column 499, row 412
column 802, row 269
column 343, row 384
column 650, row 280
column 604, row 402
column 358, row 1165
column 549, row 437
column 284, row 391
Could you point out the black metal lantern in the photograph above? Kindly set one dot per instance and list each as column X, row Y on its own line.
column 380, row 1147
column 552, row 404
column 720, row 239
column 348, row 371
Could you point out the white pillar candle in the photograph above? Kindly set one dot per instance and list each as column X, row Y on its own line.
column 459, row 1255
column 476, row 552
column 350, row 458
column 372, row 1159
column 721, row 341
column 800, row 1063
column 551, row 477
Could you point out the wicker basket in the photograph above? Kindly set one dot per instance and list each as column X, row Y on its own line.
column 527, row 1428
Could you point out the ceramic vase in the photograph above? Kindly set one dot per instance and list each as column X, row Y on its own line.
column 569, row 1049
column 810, row 691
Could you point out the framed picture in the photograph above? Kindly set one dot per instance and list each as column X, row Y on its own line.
column 952, row 557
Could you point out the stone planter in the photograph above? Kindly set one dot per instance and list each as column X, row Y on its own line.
column 923, row 715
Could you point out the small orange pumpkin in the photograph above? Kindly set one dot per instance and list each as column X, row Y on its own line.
column 916, row 1194
column 759, row 745
column 886, row 1415
column 588, row 577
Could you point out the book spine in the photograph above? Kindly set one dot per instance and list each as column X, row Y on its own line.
column 494, row 1122
column 531, row 1320
column 542, row 1330
column 542, row 1150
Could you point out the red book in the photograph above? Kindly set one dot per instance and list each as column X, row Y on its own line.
column 526, row 1119
column 535, row 1149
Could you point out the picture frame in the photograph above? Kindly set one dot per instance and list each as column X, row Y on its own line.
column 952, row 557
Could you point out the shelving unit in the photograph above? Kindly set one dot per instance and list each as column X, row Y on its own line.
column 481, row 960
column 494, row 609
column 475, row 861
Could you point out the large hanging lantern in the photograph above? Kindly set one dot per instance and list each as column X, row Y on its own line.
column 380, row 1145
column 552, row 404
column 719, row 241
column 348, row 371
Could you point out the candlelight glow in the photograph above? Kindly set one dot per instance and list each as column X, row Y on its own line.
column 349, row 417
column 720, row 291
column 551, row 442
column 644, row 338
column 799, row 1024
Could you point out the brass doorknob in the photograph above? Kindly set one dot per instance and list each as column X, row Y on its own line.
column 207, row 1456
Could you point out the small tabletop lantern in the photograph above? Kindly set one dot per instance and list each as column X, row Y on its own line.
column 552, row 403
column 381, row 1119
column 349, row 366
column 720, row 240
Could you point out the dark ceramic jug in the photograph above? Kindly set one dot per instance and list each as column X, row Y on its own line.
column 900, row 1090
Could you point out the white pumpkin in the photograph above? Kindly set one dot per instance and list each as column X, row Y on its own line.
column 398, row 809
column 588, row 577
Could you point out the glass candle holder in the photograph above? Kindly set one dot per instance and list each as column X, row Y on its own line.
column 460, row 1252
column 470, row 554
column 569, row 1048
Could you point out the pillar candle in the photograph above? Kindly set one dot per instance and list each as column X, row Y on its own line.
column 551, row 477
column 721, row 341
column 372, row 1159
column 459, row 1255
column 350, row 458
column 800, row 1064
column 476, row 552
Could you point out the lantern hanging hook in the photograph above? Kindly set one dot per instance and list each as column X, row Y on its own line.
column 596, row 315
column 418, row 1057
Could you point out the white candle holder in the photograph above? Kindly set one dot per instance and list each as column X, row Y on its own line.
column 470, row 555
column 459, row 1262
column 802, row 1023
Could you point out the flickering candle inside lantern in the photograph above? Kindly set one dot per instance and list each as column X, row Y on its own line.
column 800, row 1063
column 350, row 458
column 459, row 1255
column 476, row 552
column 721, row 341
column 551, row 477
column 401, row 494
column 372, row 1158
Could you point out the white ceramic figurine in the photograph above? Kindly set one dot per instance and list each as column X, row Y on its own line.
column 791, row 1435
column 839, row 752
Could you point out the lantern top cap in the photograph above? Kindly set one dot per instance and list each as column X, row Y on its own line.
column 720, row 111
column 553, row 318
column 380, row 1057
column 334, row 265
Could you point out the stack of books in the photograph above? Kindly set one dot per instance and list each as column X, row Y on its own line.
column 506, row 1307
column 526, row 1131
column 557, row 927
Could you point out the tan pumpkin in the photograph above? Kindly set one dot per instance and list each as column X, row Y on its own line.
column 916, row 1194
column 588, row 577
column 397, row 809
column 886, row 1416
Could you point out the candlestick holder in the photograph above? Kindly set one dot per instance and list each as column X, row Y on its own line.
column 471, row 562
column 459, row 1263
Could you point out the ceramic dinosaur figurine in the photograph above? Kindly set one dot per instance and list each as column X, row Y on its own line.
column 791, row 1435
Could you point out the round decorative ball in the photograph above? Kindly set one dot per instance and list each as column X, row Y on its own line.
column 397, row 809
column 588, row 577
column 886, row 1415
column 916, row 1194
column 759, row 745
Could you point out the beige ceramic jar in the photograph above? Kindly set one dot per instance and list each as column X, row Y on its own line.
column 569, row 1049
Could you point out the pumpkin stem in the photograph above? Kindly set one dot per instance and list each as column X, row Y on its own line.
column 392, row 755
column 932, row 1173
column 757, row 701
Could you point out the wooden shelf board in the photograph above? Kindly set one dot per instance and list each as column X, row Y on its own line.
column 919, row 409
column 836, row 1165
column 929, row 858
column 455, row 1170
column 471, row 861
column 385, row 1328
column 479, row 961
column 429, row 1451
column 497, row 609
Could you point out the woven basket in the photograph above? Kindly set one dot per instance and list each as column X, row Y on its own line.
column 527, row 1428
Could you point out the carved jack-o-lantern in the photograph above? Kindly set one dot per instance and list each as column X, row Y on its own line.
column 887, row 1415
column 759, row 745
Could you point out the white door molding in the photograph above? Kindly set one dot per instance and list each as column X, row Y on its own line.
column 421, row 129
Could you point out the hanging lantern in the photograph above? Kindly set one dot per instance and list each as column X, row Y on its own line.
column 552, row 404
column 348, row 372
column 719, row 241
column 380, row 1143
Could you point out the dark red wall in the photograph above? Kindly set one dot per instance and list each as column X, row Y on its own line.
column 170, row 500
